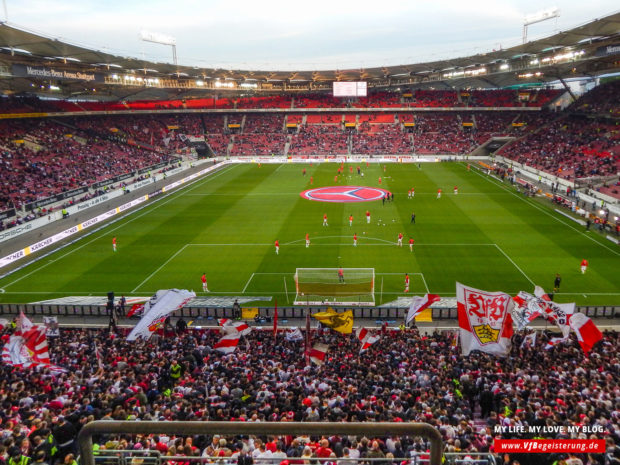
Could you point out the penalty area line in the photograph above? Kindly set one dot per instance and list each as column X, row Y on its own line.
column 157, row 270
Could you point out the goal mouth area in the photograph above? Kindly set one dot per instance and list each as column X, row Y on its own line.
column 326, row 286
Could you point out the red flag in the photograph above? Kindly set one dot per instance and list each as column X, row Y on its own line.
column 585, row 329
column 307, row 348
column 275, row 320
column 135, row 309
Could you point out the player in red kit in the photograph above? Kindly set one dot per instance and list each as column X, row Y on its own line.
column 336, row 178
column 304, row 171
column 325, row 220
column 438, row 193
column 114, row 244
column 379, row 180
column 456, row 190
column 311, row 180
column 400, row 239
column 411, row 241
column 406, row 282
column 584, row 266
column 350, row 220
column 367, row 217
column 277, row 247
column 351, row 169
column 355, row 240
column 205, row 288
column 307, row 240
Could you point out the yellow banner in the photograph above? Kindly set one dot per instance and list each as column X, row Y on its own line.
column 425, row 316
column 291, row 125
column 468, row 124
column 171, row 128
column 234, row 126
column 249, row 313
column 409, row 125
column 341, row 322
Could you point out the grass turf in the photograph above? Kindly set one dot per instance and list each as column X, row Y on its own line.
column 488, row 236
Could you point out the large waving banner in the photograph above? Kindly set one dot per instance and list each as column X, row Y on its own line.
column 162, row 304
column 484, row 320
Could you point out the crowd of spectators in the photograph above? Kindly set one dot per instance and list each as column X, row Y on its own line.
column 40, row 158
column 403, row 377
column 570, row 147
column 602, row 100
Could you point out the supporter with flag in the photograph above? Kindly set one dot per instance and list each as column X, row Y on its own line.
column 365, row 338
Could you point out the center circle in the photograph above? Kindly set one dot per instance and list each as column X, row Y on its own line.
column 344, row 194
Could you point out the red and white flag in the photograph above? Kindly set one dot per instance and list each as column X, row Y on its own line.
column 318, row 352
column 234, row 327
column 554, row 341
column 275, row 320
column 366, row 338
column 27, row 346
column 294, row 334
column 529, row 341
column 484, row 320
column 3, row 323
column 98, row 356
column 228, row 343
column 585, row 329
column 557, row 314
column 420, row 303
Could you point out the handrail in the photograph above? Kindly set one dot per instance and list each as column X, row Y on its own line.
column 85, row 437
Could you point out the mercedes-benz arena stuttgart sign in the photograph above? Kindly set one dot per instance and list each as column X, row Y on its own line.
column 344, row 194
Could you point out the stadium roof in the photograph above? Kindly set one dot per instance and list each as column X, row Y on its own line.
column 21, row 46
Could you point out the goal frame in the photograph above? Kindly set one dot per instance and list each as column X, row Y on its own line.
column 326, row 288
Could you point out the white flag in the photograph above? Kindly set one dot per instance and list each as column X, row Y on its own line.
column 162, row 304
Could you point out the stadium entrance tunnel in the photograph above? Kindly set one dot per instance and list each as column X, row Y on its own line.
column 344, row 194
column 85, row 437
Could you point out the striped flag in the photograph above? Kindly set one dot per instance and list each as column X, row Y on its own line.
column 231, row 326
column 365, row 338
column 420, row 303
column 318, row 352
column 27, row 346
column 557, row 314
column 228, row 343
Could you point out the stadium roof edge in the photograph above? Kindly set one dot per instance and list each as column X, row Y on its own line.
column 19, row 45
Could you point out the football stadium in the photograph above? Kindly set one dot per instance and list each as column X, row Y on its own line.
column 383, row 265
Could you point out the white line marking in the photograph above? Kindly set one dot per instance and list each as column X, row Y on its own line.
column 515, row 265
column 154, row 206
column 1, row 290
column 541, row 209
column 424, row 280
column 247, row 284
column 164, row 264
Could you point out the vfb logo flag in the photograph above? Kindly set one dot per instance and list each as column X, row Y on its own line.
column 485, row 322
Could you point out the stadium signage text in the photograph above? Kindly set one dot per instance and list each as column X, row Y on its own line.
column 43, row 72
column 344, row 194
column 607, row 50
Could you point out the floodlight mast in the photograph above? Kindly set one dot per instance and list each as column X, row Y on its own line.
column 538, row 18
column 162, row 39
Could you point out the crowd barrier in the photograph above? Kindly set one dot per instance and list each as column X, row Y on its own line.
column 266, row 313
column 369, row 429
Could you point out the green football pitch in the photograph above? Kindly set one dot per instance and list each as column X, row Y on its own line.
column 488, row 236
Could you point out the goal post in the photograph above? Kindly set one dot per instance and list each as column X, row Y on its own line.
column 319, row 286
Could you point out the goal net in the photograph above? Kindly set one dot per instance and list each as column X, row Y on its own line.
column 318, row 286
